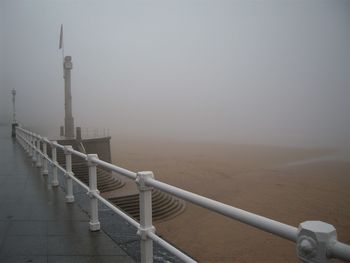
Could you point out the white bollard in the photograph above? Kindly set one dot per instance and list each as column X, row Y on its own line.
column 94, row 222
column 69, row 181
column 145, row 216
column 54, row 181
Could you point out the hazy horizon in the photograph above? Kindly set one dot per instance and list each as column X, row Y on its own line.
column 264, row 72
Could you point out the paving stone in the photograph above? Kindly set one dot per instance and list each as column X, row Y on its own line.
column 89, row 259
column 36, row 224
column 25, row 228
column 25, row 245
column 23, row 259
column 93, row 245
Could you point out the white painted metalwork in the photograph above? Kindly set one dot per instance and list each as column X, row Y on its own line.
column 33, row 150
column 316, row 242
column 54, row 164
column 69, row 174
column 146, row 226
column 38, row 157
column 94, row 223
column 45, row 170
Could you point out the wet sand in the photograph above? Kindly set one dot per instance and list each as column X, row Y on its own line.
column 253, row 178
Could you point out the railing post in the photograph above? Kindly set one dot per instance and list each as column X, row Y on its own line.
column 33, row 150
column 30, row 146
column 32, row 143
column 94, row 222
column 146, row 225
column 19, row 137
column 38, row 156
column 45, row 170
column 26, row 137
column 54, row 181
column 314, row 239
column 69, row 181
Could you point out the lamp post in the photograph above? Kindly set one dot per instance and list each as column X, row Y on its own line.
column 14, row 121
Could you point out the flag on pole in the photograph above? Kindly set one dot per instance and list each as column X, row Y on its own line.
column 61, row 37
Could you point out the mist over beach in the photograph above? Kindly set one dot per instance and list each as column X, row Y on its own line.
column 245, row 102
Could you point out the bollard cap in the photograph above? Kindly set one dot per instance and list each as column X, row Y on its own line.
column 141, row 178
column 89, row 159
column 67, row 149
column 314, row 238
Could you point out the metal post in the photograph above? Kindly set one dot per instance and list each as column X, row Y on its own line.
column 27, row 143
column 14, row 121
column 33, row 142
column 45, row 170
column 30, row 141
column 14, row 105
column 69, row 181
column 19, row 138
column 33, row 149
column 145, row 216
column 94, row 222
column 54, row 181
column 38, row 156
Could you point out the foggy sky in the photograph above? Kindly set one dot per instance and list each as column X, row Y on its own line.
column 270, row 72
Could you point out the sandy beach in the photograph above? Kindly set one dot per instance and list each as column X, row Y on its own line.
column 253, row 178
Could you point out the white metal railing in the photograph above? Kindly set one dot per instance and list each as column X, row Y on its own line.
column 316, row 241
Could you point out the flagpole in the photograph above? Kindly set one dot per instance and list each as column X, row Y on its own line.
column 61, row 43
column 62, row 53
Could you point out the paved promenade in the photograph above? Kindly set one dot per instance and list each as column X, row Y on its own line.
column 36, row 225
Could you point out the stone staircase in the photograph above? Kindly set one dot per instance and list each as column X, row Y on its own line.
column 105, row 181
column 164, row 206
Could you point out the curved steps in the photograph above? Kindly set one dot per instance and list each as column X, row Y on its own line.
column 164, row 206
column 105, row 181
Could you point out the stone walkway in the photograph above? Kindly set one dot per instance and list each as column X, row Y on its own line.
column 36, row 225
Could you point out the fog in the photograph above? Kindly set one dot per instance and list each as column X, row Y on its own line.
column 268, row 72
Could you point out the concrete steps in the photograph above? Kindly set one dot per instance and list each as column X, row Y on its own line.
column 164, row 206
column 105, row 181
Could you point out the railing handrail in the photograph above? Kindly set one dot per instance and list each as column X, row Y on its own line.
column 334, row 248
column 112, row 167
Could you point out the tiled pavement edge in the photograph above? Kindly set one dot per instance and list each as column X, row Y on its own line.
column 36, row 225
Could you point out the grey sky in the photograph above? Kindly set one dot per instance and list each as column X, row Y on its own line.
column 240, row 71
